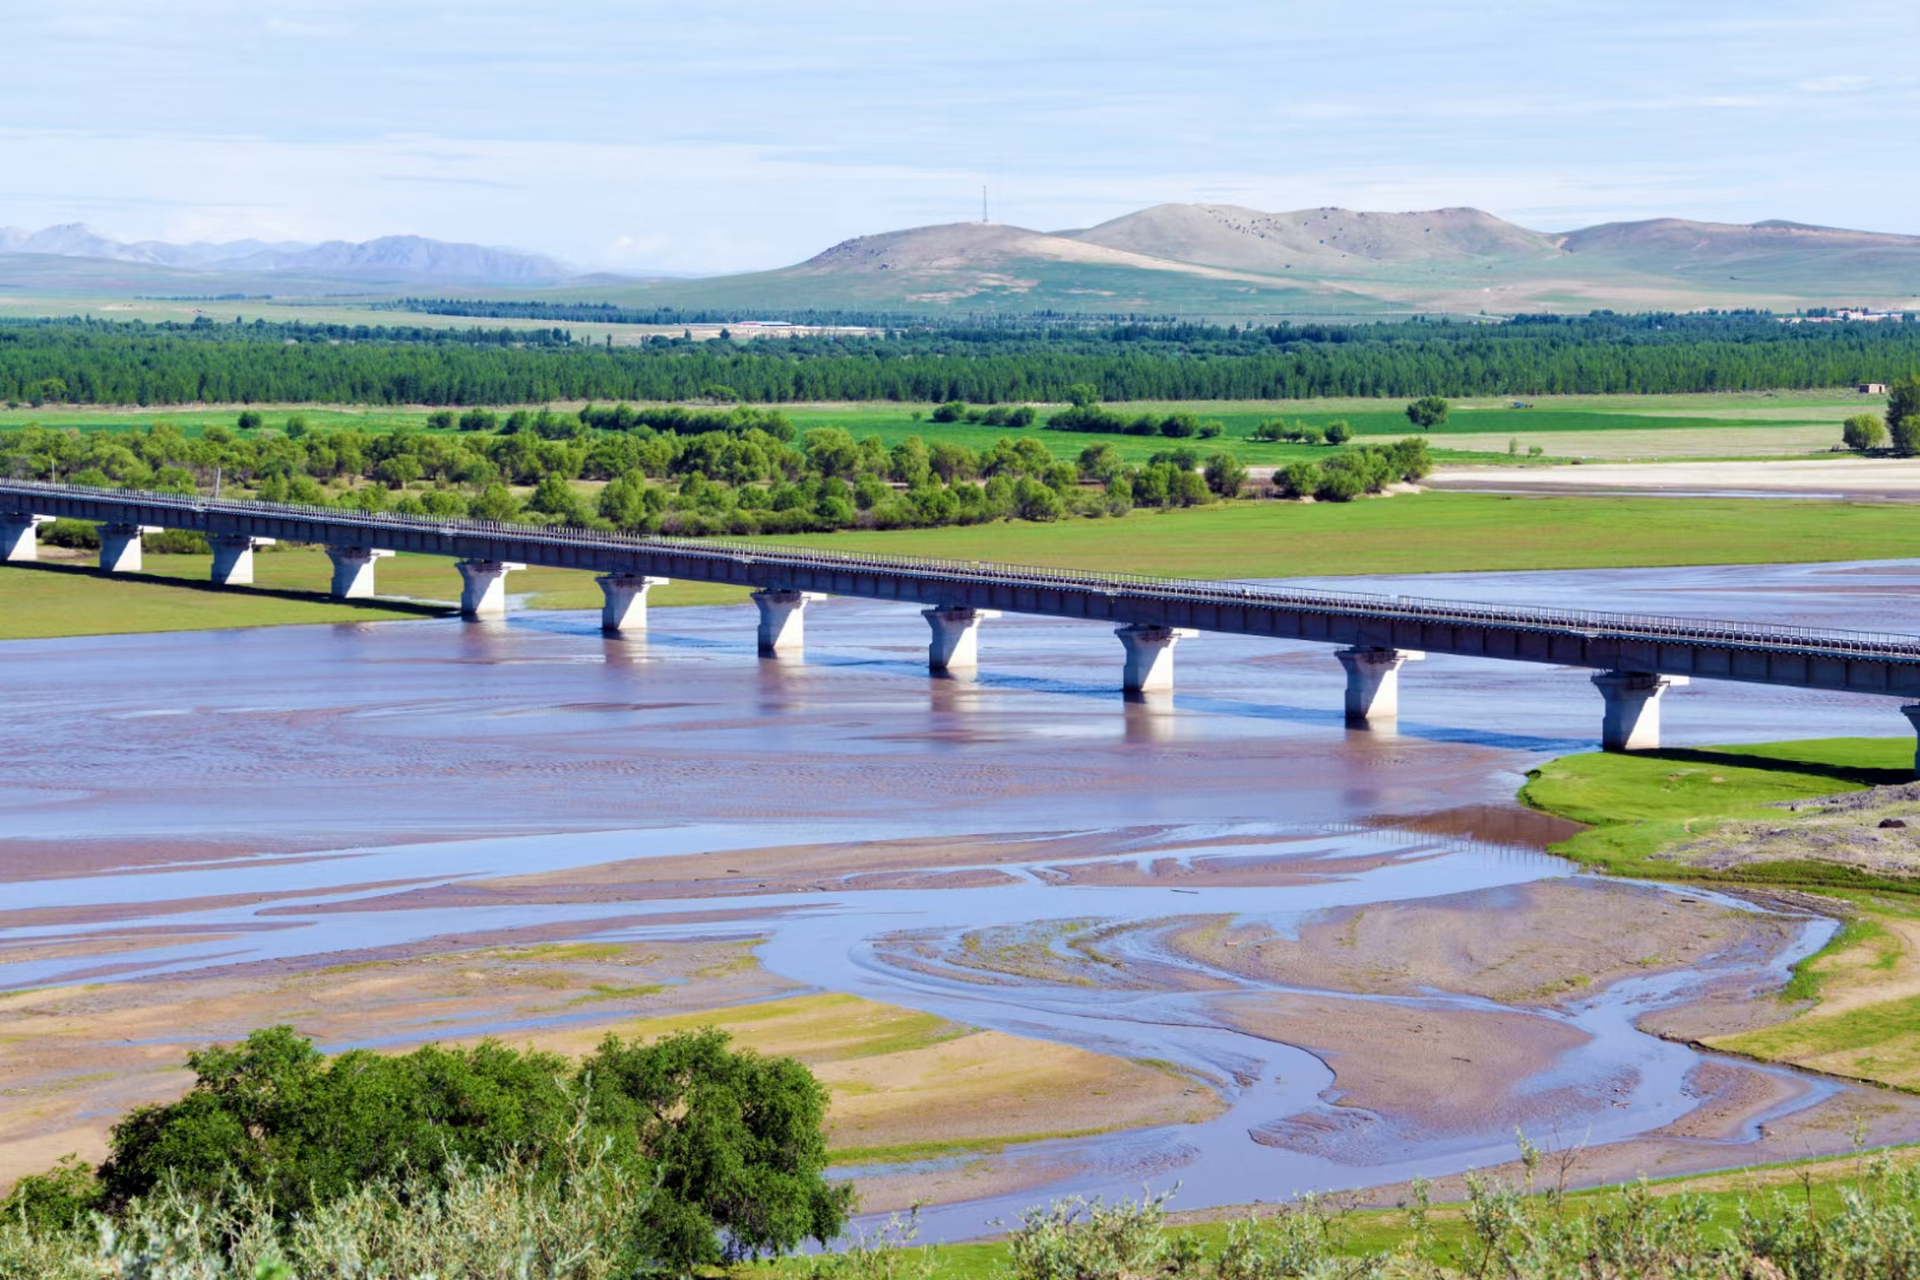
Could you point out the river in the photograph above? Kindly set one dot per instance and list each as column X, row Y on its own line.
column 174, row 804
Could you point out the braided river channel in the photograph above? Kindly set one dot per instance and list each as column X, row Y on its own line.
column 1344, row 953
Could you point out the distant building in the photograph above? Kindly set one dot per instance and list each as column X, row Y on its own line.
column 1873, row 388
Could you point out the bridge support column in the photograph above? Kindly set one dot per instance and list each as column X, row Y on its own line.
column 956, row 637
column 233, row 557
column 1912, row 713
column 1150, row 656
column 783, row 620
column 353, row 571
column 18, row 543
column 626, row 606
column 1632, row 719
column 1373, row 682
column 483, row 590
column 120, row 546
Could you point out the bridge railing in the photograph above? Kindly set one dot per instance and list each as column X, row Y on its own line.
column 1588, row 623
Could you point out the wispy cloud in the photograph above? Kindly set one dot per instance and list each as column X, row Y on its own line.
column 750, row 135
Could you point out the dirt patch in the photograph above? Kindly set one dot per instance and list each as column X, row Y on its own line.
column 1550, row 942
column 1403, row 1072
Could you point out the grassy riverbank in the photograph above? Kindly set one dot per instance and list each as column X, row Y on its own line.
column 1415, row 533
column 1828, row 818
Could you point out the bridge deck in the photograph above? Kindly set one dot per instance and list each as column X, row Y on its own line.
column 1855, row 661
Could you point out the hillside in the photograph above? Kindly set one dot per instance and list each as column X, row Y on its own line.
column 1208, row 259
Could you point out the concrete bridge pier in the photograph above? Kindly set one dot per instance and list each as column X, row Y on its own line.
column 1632, row 719
column 783, row 619
column 1150, row 656
column 18, row 543
column 353, row 571
column 1373, row 682
column 233, row 557
column 1912, row 713
column 956, row 637
column 483, row 589
column 120, row 546
column 626, row 605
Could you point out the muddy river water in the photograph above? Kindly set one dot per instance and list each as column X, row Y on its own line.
column 1159, row 881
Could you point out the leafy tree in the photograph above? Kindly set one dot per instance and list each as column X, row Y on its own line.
column 440, row 420
column 1903, row 415
column 1083, row 395
column 553, row 496
column 250, row 420
column 1033, row 500
column 1101, row 462
column 832, row 452
column 1224, row 475
column 951, row 411
column 1428, row 412
column 732, row 1140
column 1338, row 432
column 1863, row 431
column 1269, row 430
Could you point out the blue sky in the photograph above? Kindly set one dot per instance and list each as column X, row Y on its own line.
column 730, row 136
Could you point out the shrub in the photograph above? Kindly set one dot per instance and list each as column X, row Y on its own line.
column 1297, row 479
column 1338, row 432
column 176, row 542
column 1863, row 431
column 1225, row 475
column 1180, row 426
column 249, row 420
column 81, row 535
column 440, row 420
column 1089, row 417
column 1338, row 486
column 952, row 411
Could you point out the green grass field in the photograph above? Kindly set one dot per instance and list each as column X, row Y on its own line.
column 1667, row 815
column 1411, row 533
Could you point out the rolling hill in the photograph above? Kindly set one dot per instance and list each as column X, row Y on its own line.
column 1222, row 260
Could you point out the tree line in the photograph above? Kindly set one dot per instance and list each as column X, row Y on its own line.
column 80, row 362
column 756, row 476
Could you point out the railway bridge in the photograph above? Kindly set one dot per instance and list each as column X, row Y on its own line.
column 1635, row 658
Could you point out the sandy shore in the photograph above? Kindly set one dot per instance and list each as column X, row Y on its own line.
column 1882, row 478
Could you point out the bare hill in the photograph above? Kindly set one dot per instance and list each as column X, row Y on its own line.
column 1224, row 235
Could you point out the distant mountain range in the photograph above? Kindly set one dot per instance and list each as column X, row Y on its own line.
column 389, row 260
column 1221, row 260
column 1183, row 259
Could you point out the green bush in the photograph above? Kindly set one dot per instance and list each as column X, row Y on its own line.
column 730, row 1141
column 1297, row 479
column 1863, row 431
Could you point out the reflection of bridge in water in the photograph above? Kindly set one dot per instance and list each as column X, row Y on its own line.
column 1636, row 658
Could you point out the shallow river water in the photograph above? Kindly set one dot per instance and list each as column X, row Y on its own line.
column 156, row 781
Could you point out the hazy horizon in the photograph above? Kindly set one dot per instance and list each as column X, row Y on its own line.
column 656, row 138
